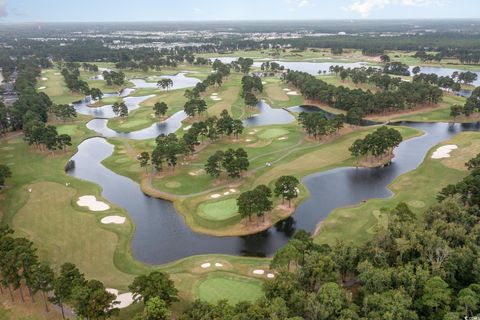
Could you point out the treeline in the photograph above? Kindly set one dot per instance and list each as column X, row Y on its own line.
column 471, row 106
column 88, row 299
column 316, row 124
column 251, row 86
column 413, row 268
column 398, row 95
column 195, row 105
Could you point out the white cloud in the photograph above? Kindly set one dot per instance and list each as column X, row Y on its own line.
column 197, row 10
column 365, row 7
column 298, row 3
column 3, row 9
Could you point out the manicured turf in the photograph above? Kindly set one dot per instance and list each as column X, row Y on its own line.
column 219, row 210
column 220, row 286
column 418, row 188
column 272, row 133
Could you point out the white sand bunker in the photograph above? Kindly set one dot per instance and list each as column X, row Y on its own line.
column 215, row 196
column 444, row 151
column 263, row 82
column 218, row 265
column 187, row 128
column 196, row 172
column 283, row 138
column 226, row 193
column 92, row 203
column 206, row 265
column 270, row 276
column 124, row 299
column 113, row 220
column 44, row 79
column 259, row 271
column 286, row 89
column 233, row 190
column 293, row 93
column 215, row 94
column 57, row 73
column 215, row 98
column 248, row 140
column 42, row 88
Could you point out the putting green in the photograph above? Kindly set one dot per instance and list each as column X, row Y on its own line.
column 272, row 133
column 219, row 210
column 220, row 286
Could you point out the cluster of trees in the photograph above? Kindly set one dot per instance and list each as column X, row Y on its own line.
column 160, row 109
column 89, row 67
column 5, row 173
column 255, row 202
column 471, row 56
column 466, row 77
column 169, row 147
column 242, row 65
column 195, row 105
column 258, row 202
column 251, row 86
column 120, row 109
column 378, row 143
column 165, row 83
column 271, row 66
column 471, row 106
column 396, row 68
column 233, row 162
column 412, row 268
column 396, row 94
column 30, row 112
column 45, row 136
column 71, row 75
column 113, row 77
column 63, row 111
column 316, row 124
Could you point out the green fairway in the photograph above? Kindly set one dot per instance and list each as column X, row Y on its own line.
column 223, row 286
column 272, row 133
column 220, row 210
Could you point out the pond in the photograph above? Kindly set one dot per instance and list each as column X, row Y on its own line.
column 158, row 225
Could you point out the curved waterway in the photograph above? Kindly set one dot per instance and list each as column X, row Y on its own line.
column 158, row 225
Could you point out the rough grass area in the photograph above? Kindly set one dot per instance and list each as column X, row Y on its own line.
column 220, row 286
column 219, row 210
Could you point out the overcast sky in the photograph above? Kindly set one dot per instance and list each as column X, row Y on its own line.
column 163, row 10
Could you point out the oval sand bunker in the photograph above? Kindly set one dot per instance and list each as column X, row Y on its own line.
column 92, row 203
column 113, row 220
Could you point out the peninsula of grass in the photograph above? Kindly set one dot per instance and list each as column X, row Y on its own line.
column 417, row 188
column 198, row 197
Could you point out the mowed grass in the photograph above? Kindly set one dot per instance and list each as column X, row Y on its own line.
column 274, row 94
column 62, row 233
column 219, row 210
column 272, row 133
column 417, row 188
column 224, row 286
column 56, row 88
